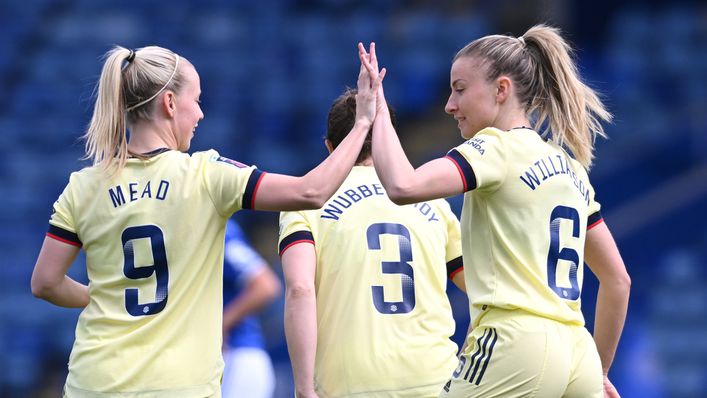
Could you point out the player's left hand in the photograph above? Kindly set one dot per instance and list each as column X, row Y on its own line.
column 369, row 84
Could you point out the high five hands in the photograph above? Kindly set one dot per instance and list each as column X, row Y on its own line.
column 370, row 85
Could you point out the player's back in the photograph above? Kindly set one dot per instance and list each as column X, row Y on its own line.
column 383, row 317
column 525, row 225
column 153, row 238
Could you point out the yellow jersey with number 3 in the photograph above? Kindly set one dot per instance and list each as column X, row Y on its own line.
column 154, row 241
column 526, row 212
column 383, row 316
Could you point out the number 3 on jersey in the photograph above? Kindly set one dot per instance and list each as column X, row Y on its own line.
column 401, row 267
column 159, row 268
column 556, row 254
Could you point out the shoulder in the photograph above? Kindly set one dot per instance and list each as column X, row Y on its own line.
column 577, row 167
column 488, row 137
column 212, row 157
column 490, row 132
column 88, row 175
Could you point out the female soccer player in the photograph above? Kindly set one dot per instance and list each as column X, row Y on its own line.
column 529, row 217
column 366, row 311
column 151, row 221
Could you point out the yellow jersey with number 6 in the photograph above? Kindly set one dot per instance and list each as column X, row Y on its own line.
column 524, row 223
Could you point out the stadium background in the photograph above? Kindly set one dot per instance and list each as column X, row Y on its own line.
column 269, row 71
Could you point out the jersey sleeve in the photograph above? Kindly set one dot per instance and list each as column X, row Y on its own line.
column 62, row 225
column 481, row 161
column 231, row 185
column 594, row 217
column 453, row 255
column 294, row 229
column 244, row 261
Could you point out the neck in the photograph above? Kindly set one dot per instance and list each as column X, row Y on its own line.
column 146, row 137
column 511, row 117
column 512, row 122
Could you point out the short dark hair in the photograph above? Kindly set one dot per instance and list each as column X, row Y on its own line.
column 340, row 121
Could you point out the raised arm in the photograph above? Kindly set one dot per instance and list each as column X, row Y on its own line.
column 311, row 191
column 299, row 264
column 602, row 256
column 404, row 184
column 49, row 280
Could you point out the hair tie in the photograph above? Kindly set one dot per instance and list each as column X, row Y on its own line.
column 131, row 56
column 174, row 72
column 521, row 40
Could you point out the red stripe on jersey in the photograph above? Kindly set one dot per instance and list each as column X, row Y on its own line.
column 455, row 272
column 294, row 243
column 597, row 222
column 255, row 190
column 459, row 168
column 63, row 240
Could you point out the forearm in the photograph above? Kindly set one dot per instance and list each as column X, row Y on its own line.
column 391, row 163
column 325, row 179
column 612, row 305
column 301, row 334
column 239, row 308
column 66, row 293
column 259, row 293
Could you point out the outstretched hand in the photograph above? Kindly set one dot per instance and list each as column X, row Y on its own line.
column 370, row 87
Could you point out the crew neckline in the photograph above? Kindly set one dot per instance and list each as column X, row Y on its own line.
column 149, row 154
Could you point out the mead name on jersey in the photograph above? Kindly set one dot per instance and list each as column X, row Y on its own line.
column 133, row 191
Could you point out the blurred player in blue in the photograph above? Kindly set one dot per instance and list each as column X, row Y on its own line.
column 248, row 286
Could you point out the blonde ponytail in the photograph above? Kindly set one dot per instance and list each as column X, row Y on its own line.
column 573, row 110
column 129, row 81
column 106, row 141
column 548, row 85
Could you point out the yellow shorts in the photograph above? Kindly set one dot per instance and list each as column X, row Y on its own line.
column 512, row 353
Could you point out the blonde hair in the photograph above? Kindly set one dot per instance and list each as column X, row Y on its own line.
column 129, row 81
column 547, row 82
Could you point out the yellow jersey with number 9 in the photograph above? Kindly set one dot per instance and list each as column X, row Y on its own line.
column 153, row 235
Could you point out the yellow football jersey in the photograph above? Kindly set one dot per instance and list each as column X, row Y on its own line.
column 154, row 239
column 383, row 317
column 524, row 223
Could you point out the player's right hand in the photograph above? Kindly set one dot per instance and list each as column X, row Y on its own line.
column 369, row 84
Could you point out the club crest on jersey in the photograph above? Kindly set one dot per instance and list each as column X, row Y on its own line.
column 231, row 162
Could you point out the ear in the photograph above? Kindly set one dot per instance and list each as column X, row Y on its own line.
column 503, row 89
column 169, row 103
column 328, row 145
